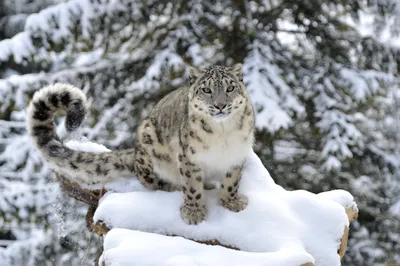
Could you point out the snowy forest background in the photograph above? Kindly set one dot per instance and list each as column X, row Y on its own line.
column 323, row 76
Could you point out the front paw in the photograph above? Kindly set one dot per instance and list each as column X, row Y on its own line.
column 193, row 215
column 236, row 204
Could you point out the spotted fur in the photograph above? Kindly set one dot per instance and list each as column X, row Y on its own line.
column 83, row 167
column 194, row 137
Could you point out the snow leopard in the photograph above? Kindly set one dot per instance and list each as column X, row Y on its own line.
column 195, row 136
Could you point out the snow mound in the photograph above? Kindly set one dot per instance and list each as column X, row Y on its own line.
column 278, row 227
column 127, row 247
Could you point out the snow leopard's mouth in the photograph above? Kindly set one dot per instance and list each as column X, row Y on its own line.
column 220, row 115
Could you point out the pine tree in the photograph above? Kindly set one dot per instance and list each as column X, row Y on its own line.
column 322, row 84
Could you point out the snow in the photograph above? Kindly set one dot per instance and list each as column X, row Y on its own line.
column 365, row 83
column 19, row 47
column 86, row 146
column 268, row 91
column 395, row 209
column 278, row 227
column 366, row 24
column 127, row 247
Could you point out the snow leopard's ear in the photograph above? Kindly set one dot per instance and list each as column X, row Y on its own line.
column 237, row 70
column 194, row 74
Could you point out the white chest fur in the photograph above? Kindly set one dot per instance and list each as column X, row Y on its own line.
column 224, row 148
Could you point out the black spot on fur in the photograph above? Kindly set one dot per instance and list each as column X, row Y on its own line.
column 192, row 190
column 158, row 134
column 75, row 116
column 199, row 179
column 104, row 157
column 41, row 106
column 193, row 151
column 79, row 158
column 205, row 126
column 190, row 164
column 233, row 195
column 56, row 149
column 119, row 166
column 161, row 157
column 187, row 174
column 41, row 116
column 165, row 125
column 98, row 169
column 129, row 152
column 196, row 170
column 236, row 183
column 229, row 174
column 42, row 111
column 180, row 157
column 44, row 134
column 140, row 160
column 131, row 168
column 41, row 130
column 184, row 147
column 146, row 171
column 194, row 136
column 198, row 196
column 161, row 183
column 53, row 99
column 73, row 166
column 181, row 171
column 147, row 139
column 230, row 189
column 241, row 121
column 184, row 189
column 189, row 197
column 247, row 110
column 149, row 180
column 65, row 98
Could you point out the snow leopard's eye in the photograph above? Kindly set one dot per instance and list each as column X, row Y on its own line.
column 206, row 90
column 230, row 89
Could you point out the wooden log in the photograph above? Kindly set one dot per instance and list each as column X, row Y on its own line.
column 90, row 197
column 352, row 214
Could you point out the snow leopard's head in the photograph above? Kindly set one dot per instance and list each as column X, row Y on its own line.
column 217, row 91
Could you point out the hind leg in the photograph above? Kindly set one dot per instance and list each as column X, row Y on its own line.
column 147, row 177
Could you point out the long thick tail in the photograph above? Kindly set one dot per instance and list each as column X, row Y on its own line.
column 83, row 167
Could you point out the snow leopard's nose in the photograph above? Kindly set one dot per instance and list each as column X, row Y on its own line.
column 220, row 106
